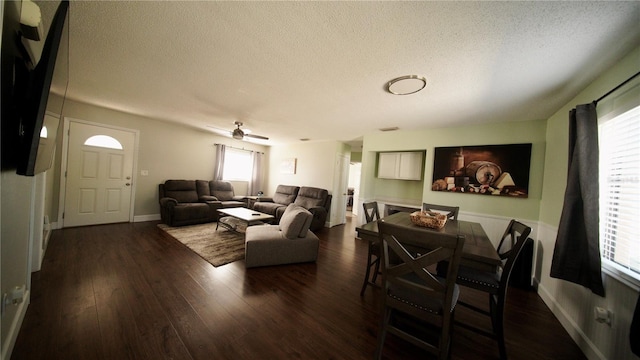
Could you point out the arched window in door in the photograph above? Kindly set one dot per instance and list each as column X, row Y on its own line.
column 103, row 141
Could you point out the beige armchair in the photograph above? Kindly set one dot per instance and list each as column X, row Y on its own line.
column 290, row 241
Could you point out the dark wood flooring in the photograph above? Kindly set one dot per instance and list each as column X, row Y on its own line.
column 130, row 291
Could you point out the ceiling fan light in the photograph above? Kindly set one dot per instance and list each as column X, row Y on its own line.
column 237, row 134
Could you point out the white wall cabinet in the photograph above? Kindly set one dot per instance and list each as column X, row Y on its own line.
column 405, row 165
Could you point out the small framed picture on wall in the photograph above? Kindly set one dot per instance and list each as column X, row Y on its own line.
column 288, row 166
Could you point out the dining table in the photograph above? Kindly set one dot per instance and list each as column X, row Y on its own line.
column 478, row 251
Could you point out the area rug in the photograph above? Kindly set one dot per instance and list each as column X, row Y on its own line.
column 218, row 247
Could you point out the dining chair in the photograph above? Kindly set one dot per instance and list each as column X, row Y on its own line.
column 371, row 213
column 452, row 211
column 495, row 284
column 411, row 294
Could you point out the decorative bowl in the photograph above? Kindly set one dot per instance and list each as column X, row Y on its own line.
column 430, row 219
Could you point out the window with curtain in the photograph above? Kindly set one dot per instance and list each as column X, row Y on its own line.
column 238, row 165
column 619, row 143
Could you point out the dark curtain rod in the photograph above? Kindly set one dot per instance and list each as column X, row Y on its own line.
column 616, row 88
column 237, row 148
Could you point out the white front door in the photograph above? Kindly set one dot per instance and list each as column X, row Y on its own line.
column 99, row 175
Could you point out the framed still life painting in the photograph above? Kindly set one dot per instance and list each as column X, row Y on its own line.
column 499, row 170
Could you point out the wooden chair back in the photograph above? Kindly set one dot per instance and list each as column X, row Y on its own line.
column 509, row 248
column 452, row 210
column 511, row 244
column 371, row 212
column 409, row 287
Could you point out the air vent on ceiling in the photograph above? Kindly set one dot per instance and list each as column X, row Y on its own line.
column 393, row 128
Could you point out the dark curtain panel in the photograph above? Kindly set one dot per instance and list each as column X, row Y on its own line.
column 634, row 332
column 218, row 167
column 576, row 257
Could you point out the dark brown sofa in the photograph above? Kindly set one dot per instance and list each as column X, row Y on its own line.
column 275, row 205
column 217, row 190
column 188, row 202
column 316, row 200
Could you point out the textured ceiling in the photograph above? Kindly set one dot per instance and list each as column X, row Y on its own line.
column 317, row 70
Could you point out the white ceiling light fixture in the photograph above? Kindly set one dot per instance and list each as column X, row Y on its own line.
column 405, row 85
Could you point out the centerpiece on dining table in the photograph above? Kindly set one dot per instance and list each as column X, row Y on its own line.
column 430, row 219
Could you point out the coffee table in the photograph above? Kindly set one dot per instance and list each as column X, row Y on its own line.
column 230, row 218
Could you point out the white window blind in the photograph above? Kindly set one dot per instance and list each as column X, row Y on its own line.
column 237, row 164
column 619, row 142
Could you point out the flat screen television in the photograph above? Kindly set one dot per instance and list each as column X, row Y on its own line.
column 25, row 94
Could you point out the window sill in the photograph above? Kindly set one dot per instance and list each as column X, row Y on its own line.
column 621, row 274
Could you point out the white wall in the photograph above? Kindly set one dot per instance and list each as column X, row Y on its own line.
column 316, row 166
column 15, row 222
column 172, row 151
column 166, row 151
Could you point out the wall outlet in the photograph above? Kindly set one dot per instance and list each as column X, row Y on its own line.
column 16, row 295
column 602, row 315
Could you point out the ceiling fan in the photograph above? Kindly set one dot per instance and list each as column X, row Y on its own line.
column 239, row 134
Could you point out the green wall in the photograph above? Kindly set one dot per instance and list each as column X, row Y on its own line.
column 573, row 304
column 555, row 171
column 487, row 134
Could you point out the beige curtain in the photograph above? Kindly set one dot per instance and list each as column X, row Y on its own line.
column 218, row 167
column 255, row 184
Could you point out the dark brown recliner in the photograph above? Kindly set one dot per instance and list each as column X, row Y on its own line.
column 285, row 195
column 180, row 204
column 318, row 202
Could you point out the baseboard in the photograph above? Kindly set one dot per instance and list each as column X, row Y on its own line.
column 143, row 218
column 47, row 236
column 7, row 347
column 579, row 337
column 137, row 218
column 590, row 350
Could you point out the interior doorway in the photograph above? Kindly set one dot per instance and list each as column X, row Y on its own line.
column 354, row 187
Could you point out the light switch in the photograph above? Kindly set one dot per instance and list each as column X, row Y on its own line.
column 144, row 172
